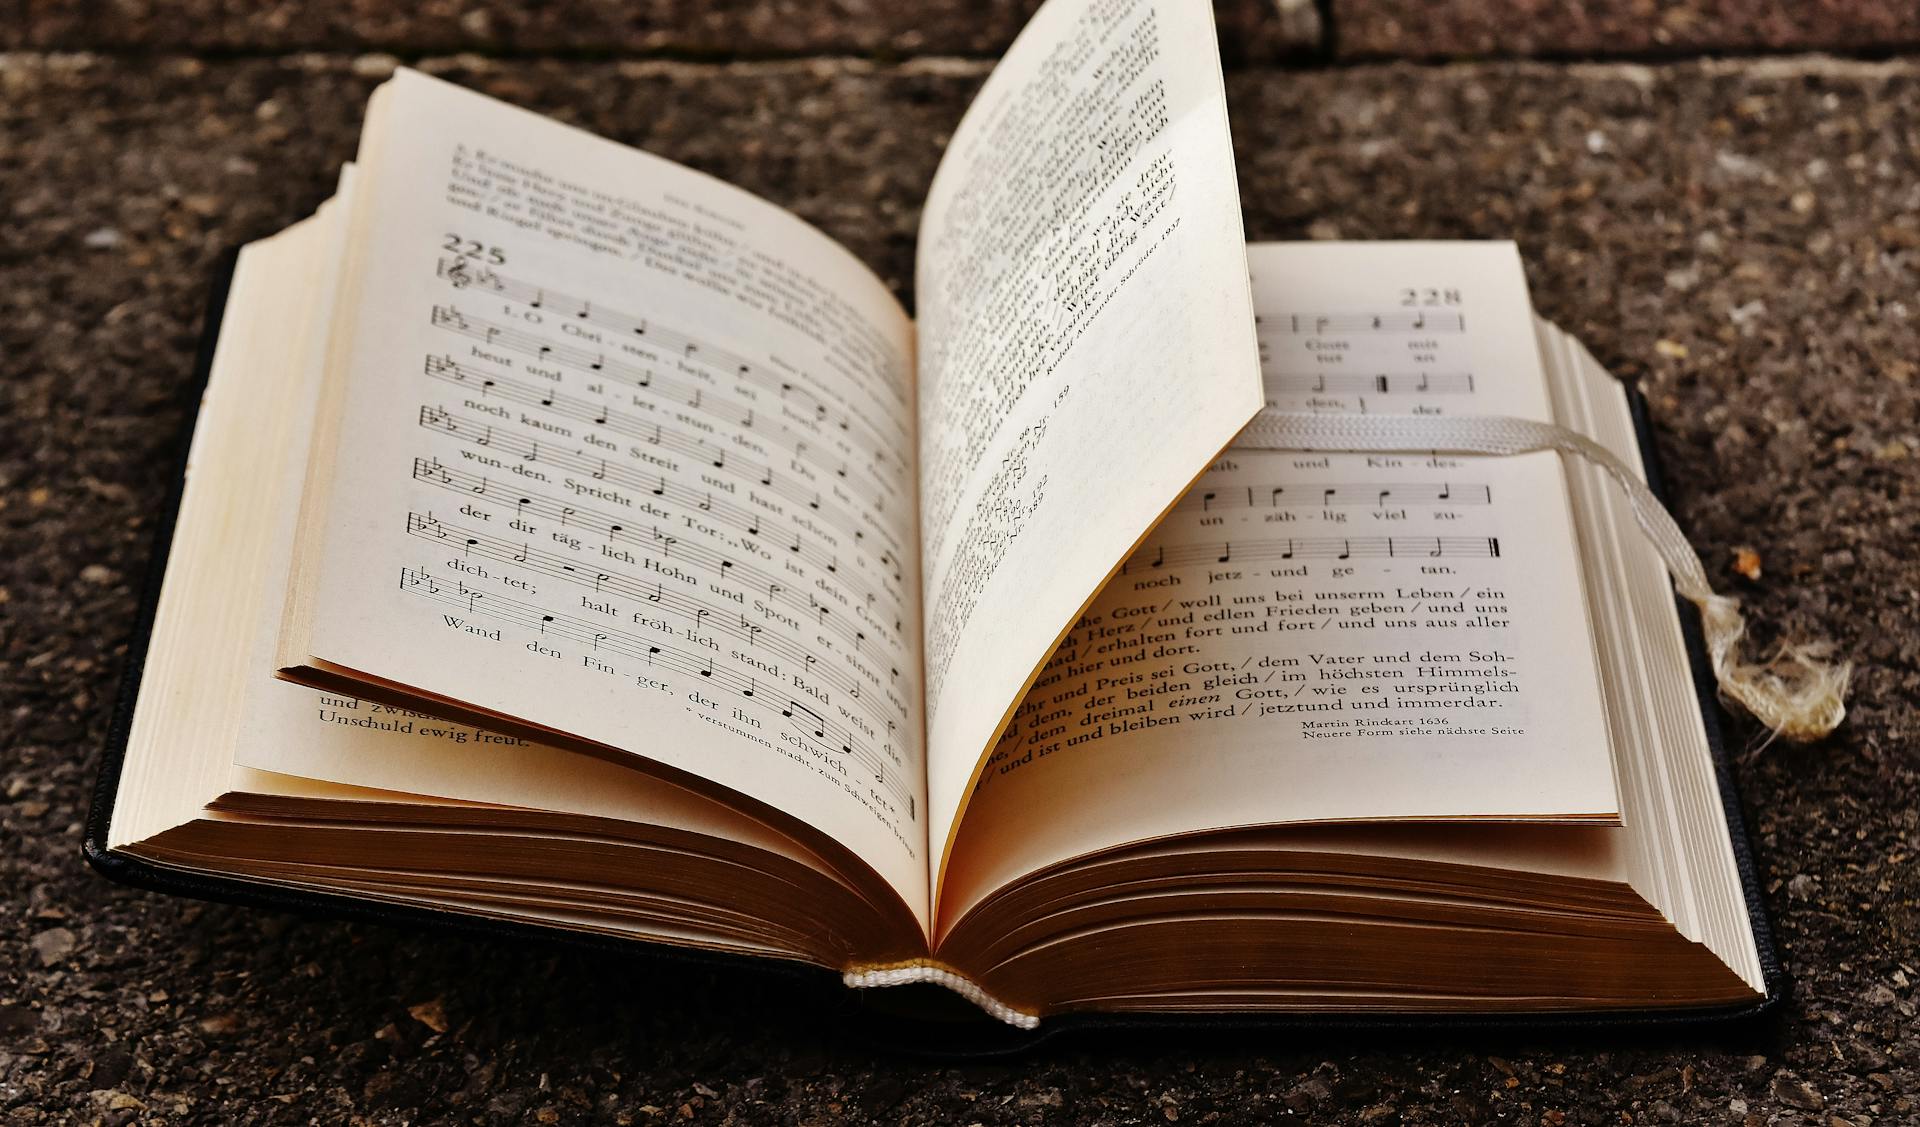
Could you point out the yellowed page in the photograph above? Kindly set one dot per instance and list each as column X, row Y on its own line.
column 626, row 453
column 1329, row 637
column 1085, row 342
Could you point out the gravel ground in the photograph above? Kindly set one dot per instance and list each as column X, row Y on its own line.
column 1741, row 236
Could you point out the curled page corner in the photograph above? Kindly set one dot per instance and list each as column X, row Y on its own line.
column 918, row 971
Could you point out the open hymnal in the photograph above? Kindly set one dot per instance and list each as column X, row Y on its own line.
column 571, row 539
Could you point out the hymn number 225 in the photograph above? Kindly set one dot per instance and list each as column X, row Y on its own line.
column 471, row 248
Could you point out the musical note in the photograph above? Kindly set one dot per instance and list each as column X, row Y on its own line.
column 820, row 723
column 1337, row 493
column 1434, row 383
column 1335, row 548
column 1398, row 321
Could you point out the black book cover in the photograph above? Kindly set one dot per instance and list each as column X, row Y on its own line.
column 923, row 1019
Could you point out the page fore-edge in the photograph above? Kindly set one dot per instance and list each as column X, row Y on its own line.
column 910, row 1031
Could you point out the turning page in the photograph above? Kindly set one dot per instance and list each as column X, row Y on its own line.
column 1086, row 343
column 1328, row 636
column 624, row 454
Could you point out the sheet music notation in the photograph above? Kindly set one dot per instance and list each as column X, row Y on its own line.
column 1315, row 547
column 650, row 596
column 1397, row 383
column 669, row 341
column 743, row 568
column 803, row 720
column 723, row 458
column 1397, row 321
column 672, row 392
column 1319, row 495
column 717, row 507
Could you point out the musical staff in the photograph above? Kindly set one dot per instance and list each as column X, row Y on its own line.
column 1403, row 383
column 489, row 385
column 745, row 570
column 1397, row 321
column 625, row 474
column 727, row 619
column 1316, row 495
column 671, row 391
column 802, row 719
column 671, row 342
column 1320, row 548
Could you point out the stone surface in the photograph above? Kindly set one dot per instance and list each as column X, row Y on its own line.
column 1435, row 28
column 1249, row 29
column 1742, row 238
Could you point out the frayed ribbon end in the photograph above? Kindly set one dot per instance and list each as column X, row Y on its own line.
column 1798, row 693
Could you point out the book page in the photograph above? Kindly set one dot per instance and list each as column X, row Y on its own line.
column 1317, row 637
column 626, row 454
column 1086, row 342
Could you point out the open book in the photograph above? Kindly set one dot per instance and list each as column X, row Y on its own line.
column 570, row 538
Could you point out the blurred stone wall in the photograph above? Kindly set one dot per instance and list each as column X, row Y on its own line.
column 1250, row 30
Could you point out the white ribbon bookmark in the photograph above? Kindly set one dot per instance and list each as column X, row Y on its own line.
column 1797, row 694
column 916, row 972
